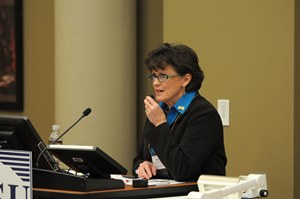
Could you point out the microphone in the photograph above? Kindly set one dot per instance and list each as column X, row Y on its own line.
column 85, row 113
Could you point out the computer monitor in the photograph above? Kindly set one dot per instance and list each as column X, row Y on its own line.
column 89, row 160
column 18, row 133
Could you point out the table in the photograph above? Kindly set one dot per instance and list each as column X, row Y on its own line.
column 128, row 192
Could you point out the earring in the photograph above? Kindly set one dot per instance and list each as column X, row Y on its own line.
column 183, row 90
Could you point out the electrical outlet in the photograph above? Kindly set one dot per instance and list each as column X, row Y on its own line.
column 223, row 109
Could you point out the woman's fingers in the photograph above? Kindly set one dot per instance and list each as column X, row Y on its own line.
column 146, row 170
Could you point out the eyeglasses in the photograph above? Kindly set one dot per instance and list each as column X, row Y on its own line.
column 161, row 77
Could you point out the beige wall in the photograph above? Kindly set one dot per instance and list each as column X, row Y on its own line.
column 95, row 66
column 246, row 49
column 296, row 102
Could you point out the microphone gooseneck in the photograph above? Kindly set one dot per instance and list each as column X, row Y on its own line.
column 85, row 113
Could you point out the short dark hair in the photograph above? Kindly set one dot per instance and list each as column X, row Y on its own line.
column 182, row 58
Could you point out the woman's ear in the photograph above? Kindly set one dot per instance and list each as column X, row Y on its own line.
column 186, row 79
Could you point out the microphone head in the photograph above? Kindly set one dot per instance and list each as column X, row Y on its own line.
column 87, row 111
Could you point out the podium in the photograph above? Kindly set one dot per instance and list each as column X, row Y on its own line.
column 18, row 133
column 129, row 192
column 94, row 163
column 65, row 181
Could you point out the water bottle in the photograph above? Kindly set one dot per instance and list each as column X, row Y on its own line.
column 54, row 135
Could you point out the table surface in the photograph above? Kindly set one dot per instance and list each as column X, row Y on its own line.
column 128, row 192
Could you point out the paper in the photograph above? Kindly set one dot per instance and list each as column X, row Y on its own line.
column 152, row 182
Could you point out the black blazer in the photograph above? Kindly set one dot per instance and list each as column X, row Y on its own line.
column 195, row 145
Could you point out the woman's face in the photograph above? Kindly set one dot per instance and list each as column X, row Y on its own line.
column 170, row 90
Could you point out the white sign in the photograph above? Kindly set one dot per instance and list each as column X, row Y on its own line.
column 15, row 174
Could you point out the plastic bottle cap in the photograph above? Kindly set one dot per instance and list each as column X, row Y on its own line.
column 55, row 127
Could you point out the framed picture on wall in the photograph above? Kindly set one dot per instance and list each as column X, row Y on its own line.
column 11, row 55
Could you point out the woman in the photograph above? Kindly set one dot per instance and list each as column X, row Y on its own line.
column 183, row 134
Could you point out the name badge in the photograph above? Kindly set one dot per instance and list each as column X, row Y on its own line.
column 157, row 163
